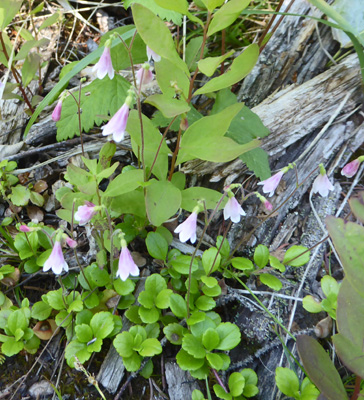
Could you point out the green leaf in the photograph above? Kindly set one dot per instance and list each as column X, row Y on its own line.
column 17, row 320
column 156, row 35
column 239, row 69
column 193, row 51
column 124, row 183
column 162, row 299
column 329, row 286
column 167, row 72
column 188, row 362
column 149, row 315
column 154, row 284
column 211, row 259
column 168, row 106
column 250, row 376
column 26, row 248
column 19, row 195
column 226, row 15
column 275, row 263
column 197, row 395
column 157, row 245
column 147, row 370
column 182, row 264
column 11, row 347
column 225, row 248
column 212, row 145
column 236, row 384
column 320, row 368
column 78, row 349
column 261, row 256
column 124, row 343
column 210, row 339
column 242, row 264
column 129, row 203
column 178, row 305
column 76, row 306
column 37, row 199
column 124, row 287
column 27, row 46
column 163, row 200
column 287, row 382
column 55, row 299
column 294, row 252
column 132, row 363
column 257, row 161
column 8, row 10
column 41, row 311
column 209, row 65
column 271, row 281
column 192, row 195
column 150, row 347
column 174, row 333
column 84, row 333
column 30, row 68
column 152, row 142
column 311, row 304
column 102, row 324
column 50, row 21
column 205, row 303
column 221, row 394
column 348, row 238
column 215, row 360
column 167, row 15
column 181, row 6
column 193, row 346
column 229, row 336
column 212, row 4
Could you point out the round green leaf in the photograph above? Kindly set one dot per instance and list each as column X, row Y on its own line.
column 271, row 281
column 236, row 384
column 294, row 252
column 210, row 339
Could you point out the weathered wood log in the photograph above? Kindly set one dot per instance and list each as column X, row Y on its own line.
column 180, row 383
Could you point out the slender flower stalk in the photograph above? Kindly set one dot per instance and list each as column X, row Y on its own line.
column 352, row 167
column 126, row 265
column 104, row 65
column 85, row 213
column 56, row 260
column 321, row 184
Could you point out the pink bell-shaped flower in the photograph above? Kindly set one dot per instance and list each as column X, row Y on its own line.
column 56, row 114
column 104, row 65
column 153, row 55
column 351, row 168
column 71, row 243
column 233, row 210
column 270, row 184
column 144, row 75
column 127, row 265
column 117, row 124
column 322, row 184
column 85, row 213
column 187, row 230
column 56, row 261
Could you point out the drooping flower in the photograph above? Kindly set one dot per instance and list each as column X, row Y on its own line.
column 56, row 114
column 85, row 213
column 233, row 210
column 56, row 260
column 127, row 265
column 268, row 206
column 322, row 184
column 71, row 243
column 117, row 124
column 351, row 168
column 270, row 184
column 144, row 75
column 104, row 65
column 187, row 230
column 24, row 228
column 153, row 55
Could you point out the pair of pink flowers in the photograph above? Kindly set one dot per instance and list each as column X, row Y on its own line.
column 321, row 184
